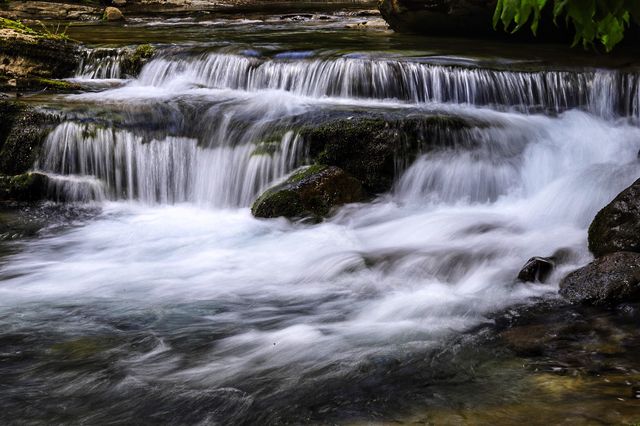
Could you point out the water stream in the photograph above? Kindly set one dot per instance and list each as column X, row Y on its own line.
column 173, row 304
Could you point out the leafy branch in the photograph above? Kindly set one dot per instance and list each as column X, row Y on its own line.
column 601, row 21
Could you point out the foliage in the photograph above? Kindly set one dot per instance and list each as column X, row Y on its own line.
column 602, row 21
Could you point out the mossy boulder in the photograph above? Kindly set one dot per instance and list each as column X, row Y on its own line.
column 310, row 191
column 617, row 226
column 24, row 187
column 375, row 149
column 134, row 60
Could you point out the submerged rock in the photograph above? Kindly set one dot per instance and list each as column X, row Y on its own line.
column 537, row 269
column 617, row 226
column 112, row 14
column 608, row 280
column 311, row 191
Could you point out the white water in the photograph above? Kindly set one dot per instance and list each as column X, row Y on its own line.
column 434, row 257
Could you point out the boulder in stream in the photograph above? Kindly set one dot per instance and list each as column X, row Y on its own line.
column 537, row 269
column 310, row 191
column 112, row 14
column 608, row 280
column 617, row 226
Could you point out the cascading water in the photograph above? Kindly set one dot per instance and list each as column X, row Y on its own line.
column 175, row 297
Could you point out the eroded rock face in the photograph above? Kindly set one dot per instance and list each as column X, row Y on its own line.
column 22, row 132
column 608, row 280
column 617, row 226
column 31, row 61
column 311, row 191
column 439, row 17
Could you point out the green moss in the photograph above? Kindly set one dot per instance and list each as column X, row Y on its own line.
column 17, row 26
column 306, row 172
column 24, row 187
column 133, row 62
column 57, row 85
column 45, row 32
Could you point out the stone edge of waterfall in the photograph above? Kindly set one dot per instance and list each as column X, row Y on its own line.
column 23, row 130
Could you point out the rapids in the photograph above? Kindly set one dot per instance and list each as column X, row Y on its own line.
column 175, row 305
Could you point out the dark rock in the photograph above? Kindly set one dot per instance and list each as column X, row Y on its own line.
column 375, row 149
column 611, row 279
column 312, row 191
column 617, row 226
column 22, row 132
column 459, row 18
column 439, row 17
column 537, row 269
column 24, row 187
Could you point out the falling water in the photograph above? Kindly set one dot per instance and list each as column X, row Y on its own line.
column 177, row 306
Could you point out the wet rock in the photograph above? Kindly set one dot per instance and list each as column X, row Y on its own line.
column 134, row 60
column 617, row 226
column 375, row 149
column 537, row 269
column 22, row 132
column 119, row 3
column 24, row 187
column 611, row 279
column 112, row 14
column 311, row 191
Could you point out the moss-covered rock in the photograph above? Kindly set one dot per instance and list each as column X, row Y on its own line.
column 134, row 60
column 311, row 191
column 373, row 149
column 22, row 132
column 24, row 187
column 28, row 56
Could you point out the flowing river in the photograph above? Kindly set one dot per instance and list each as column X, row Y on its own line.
column 156, row 297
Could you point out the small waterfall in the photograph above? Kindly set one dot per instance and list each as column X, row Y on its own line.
column 91, row 163
column 101, row 64
column 606, row 93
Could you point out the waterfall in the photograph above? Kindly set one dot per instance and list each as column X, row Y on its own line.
column 101, row 63
column 90, row 163
column 606, row 93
